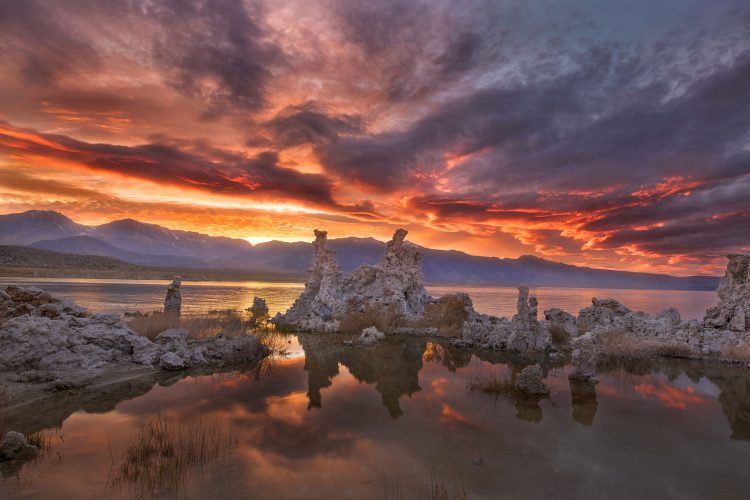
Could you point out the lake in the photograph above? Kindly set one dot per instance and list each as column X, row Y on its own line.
column 200, row 297
column 394, row 420
column 407, row 418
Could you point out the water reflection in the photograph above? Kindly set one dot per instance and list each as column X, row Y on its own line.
column 392, row 367
column 335, row 423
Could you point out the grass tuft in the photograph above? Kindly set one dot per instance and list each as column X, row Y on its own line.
column 494, row 384
column 620, row 345
column 558, row 335
column 164, row 453
column 447, row 314
column 230, row 323
column 739, row 352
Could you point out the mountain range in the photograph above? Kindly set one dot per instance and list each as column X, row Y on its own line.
column 151, row 245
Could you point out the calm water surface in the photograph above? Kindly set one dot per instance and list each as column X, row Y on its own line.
column 339, row 422
column 199, row 297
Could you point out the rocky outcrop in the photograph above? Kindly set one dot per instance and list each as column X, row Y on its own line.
column 259, row 309
column 173, row 300
column 395, row 284
column 733, row 310
column 529, row 381
column 60, row 343
column 314, row 308
column 723, row 332
column 562, row 321
column 523, row 333
column 370, row 336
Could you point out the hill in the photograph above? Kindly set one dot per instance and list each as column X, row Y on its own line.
column 153, row 246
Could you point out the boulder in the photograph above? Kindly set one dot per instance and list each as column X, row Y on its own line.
column 584, row 359
column 370, row 336
column 172, row 361
column 14, row 445
column 529, row 381
column 559, row 319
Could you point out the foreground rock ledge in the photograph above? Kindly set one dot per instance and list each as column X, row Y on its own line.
column 47, row 340
column 391, row 296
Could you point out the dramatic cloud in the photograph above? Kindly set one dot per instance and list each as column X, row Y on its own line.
column 567, row 129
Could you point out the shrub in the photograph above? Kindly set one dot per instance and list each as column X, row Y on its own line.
column 447, row 314
column 385, row 317
column 621, row 345
column 558, row 334
column 739, row 352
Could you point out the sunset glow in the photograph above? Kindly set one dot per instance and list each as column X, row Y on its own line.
column 565, row 132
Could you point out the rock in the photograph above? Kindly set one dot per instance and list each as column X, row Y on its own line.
column 529, row 381
column 559, row 319
column 523, row 333
column 70, row 349
column 172, row 361
column 602, row 314
column 447, row 315
column 259, row 309
column 556, row 356
column 527, row 334
column 173, row 300
column 733, row 310
column 14, row 445
column 370, row 336
column 584, row 359
column 395, row 285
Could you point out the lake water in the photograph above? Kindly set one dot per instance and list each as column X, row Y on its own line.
column 393, row 421
column 200, row 297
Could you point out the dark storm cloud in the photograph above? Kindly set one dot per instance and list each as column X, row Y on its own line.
column 214, row 50
column 193, row 164
column 44, row 48
column 549, row 131
column 416, row 48
column 306, row 124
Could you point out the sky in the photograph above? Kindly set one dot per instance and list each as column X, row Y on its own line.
column 607, row 134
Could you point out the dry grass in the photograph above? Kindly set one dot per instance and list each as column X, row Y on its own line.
column 438, row 490
column 740, row 352
column 435, row 489
column 385, row 318
column 447, row 314
column 558, row 335
column 163, row 455
column 621, row 345
column 494, row 384
column 153, row 324
column 230, row 323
